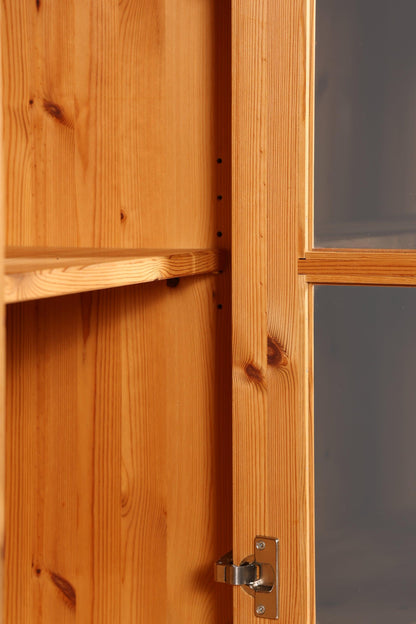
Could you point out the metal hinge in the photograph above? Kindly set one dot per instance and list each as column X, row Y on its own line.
column 257, row 575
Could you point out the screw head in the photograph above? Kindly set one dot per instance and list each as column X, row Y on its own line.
column 260, row 545
column 260, row 610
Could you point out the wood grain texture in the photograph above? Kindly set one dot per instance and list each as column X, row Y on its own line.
column 118, row 402
column 117, row 450
column 111, row 122
column 290, row 484
column 369, row 280
column 249, row 284
column 54, row 273
column 271, row 190
column 358, row 266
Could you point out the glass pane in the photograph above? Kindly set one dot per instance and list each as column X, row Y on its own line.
column 365, row 166
column 365, row 455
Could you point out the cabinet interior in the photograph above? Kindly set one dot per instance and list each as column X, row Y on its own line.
column 118, row 421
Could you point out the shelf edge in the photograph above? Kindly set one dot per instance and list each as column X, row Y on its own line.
column 90, row 274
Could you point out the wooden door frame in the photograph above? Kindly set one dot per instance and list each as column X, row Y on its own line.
column 272, row 379
column 275, row 268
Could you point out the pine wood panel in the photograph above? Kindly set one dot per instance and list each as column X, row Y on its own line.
column 378, row 267
column 40, row 275
column 110, row 111
column 290, row 486
column 117, row 451
column 249, row 283
column 272, row 419
column 117, row 136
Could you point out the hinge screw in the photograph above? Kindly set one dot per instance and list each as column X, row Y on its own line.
column 260, row 610
column 260, row 545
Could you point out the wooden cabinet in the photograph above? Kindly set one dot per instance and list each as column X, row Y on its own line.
column 143, row 140
column 118, row 400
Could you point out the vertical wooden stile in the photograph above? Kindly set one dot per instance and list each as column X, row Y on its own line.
column 290, row 177
column 271, row 304
column 249, row 280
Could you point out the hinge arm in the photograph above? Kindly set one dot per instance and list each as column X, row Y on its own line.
column 227, row 572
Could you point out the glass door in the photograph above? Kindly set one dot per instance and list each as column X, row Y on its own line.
column 324, row 302
column 364, row 328
column 365, row 460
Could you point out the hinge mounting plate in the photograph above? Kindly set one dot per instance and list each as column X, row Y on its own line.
column 257, row 575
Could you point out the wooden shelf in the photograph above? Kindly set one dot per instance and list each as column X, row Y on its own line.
column 39, row 273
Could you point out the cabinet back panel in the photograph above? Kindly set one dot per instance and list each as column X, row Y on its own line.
column 118, row 453
column 112, row 123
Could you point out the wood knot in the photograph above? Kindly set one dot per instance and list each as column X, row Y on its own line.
column 123, row 216
column 37, row 5
column 254, row 373
column 56, row 112
column 125, row 499
column 275, row 353
column 36, row 567
column 125, row 504
column 65, row 588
